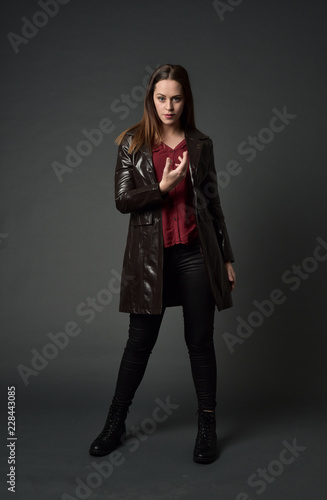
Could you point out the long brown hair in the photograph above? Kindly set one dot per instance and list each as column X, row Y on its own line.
column 149, row 129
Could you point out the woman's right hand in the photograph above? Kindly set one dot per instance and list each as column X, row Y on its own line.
column 172, row 177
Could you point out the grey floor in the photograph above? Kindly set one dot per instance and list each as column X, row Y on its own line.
column 156, row 463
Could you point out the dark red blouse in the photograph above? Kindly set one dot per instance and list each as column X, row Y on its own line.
column 178, row 217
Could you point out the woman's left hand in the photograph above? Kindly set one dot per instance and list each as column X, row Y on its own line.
column 231, row 275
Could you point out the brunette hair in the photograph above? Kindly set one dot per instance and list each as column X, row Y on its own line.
column 149, row 129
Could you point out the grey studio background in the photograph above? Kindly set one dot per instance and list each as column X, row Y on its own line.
column 258, row 74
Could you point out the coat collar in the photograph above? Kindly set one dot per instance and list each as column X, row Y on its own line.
column 194, row 140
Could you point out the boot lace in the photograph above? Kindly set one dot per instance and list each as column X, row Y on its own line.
column 207, row 424
column 115, row 419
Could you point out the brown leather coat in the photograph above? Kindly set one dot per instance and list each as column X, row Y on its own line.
column 137, row 192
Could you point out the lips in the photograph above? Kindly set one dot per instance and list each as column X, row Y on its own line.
column 169, row 116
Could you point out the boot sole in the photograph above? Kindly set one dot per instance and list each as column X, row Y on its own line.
column 102, row 453
column 113, row 447
column 96, row 453
column 202, row 460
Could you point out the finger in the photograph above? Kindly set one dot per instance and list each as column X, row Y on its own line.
column 183, row 162
column 180, row 170
column 168, row 164
column 184, row 157
column 232, row 280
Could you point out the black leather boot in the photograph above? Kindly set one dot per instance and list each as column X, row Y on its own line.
column 113, row 432
column 206, row 447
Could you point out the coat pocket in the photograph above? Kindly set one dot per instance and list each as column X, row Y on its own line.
column 141, row 218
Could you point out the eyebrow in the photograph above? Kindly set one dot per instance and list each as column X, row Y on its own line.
column 177, row 95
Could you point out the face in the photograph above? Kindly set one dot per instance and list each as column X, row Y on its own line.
column 169, row 101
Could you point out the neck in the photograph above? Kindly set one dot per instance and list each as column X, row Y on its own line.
column 170, row 130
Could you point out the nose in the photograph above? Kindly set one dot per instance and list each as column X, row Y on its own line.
column 170, row 106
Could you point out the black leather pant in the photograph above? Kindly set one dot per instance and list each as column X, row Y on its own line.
column 184, row 273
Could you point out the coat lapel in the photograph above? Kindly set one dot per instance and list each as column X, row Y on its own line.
column 194, row 141
column 147, row 154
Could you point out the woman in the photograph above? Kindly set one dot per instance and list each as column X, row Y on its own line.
column 177, row 253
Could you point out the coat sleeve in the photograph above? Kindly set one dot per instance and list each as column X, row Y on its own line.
column 132, row 191
column 214, row 206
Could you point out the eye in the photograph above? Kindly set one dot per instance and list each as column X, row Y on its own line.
column 177, row 99
column 161, row 99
